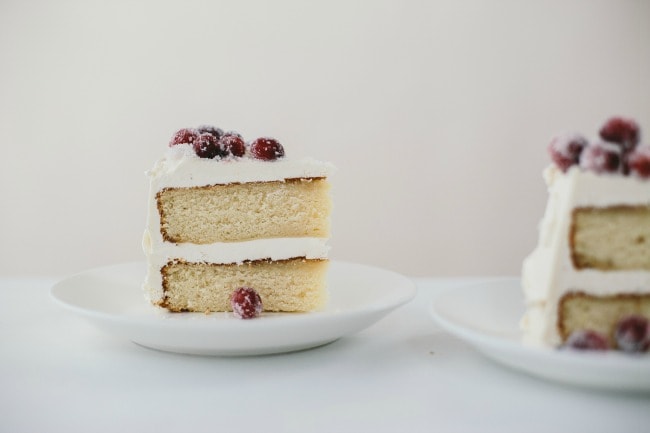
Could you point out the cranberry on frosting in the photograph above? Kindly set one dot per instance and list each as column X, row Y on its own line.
column 267, row 149
column 232, row 144
column 211, row 142
column 601, row 157
column 638, row 161
column 622, row 131
column 217, row 132
column 185, row 135
column 206, row 146
column 565, row 150
column 617, row 151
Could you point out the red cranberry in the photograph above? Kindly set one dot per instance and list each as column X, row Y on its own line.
column 267, row 149
column 639, row 161
column 206, row 146
column 185, row 135
column 565, row 150
column 587, row 340
column 232, row 144
column 620, row 130
column 632, row 334
column 217, row 132
column 601, row 157
column 246, row 303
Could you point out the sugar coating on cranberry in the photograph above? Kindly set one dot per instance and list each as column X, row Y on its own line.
column 206, row 146
column 185, row 135
column 211, row 142
column 638, row 161
column 622, row 131
column 233, row 133
column 587, row 340
column 246, row 303
column 217, row 132
column 632, row 334
column 565, row 150
column 267, row 149
column 232, row 144
column 601, row 157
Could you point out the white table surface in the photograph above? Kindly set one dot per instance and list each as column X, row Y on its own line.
column 403, row 374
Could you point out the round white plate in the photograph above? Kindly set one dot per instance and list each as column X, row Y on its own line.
column 112, row 298
column 487, row 315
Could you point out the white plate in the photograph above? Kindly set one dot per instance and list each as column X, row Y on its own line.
column 112, row 298
column 487, row 315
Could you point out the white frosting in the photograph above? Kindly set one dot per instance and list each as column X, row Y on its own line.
column 179, row 168
column 548, row 272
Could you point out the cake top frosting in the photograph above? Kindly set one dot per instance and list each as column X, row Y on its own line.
column 616, row 151
column 207, row 156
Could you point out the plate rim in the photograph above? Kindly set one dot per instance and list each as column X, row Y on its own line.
column 405, row 297
column 485, row 343
column 400, row 293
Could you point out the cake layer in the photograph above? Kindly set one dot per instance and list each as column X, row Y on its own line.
column 161, row 253
column 611, row 238
column 293, row 285
column 580, row 311
column 243, row 211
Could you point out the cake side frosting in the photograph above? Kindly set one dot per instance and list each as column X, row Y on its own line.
column 548, row 272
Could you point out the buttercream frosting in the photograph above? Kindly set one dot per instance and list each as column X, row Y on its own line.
column 180, row 167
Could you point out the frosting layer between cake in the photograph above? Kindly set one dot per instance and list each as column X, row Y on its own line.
column 549, row 273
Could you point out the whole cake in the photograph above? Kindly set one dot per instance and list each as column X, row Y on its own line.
column 587, row 283
column 228, row 219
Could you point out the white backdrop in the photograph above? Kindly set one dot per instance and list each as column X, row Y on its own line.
column 437, row 114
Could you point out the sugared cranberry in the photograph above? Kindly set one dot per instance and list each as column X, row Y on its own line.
column 632, row 334
column 639, row 161
column 565, row 150
column 601, row 157
column 206, row 146
column 620, row 130
column 217, row 132
column 267, row 149
column 587, row 340
column 185, row 135
column 232, row 144
column 246, row 303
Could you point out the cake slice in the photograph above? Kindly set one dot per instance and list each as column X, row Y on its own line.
column 225, row 215
column 587, row 283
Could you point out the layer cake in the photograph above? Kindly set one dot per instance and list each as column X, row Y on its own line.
column 587, row 283
column 225, row 215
